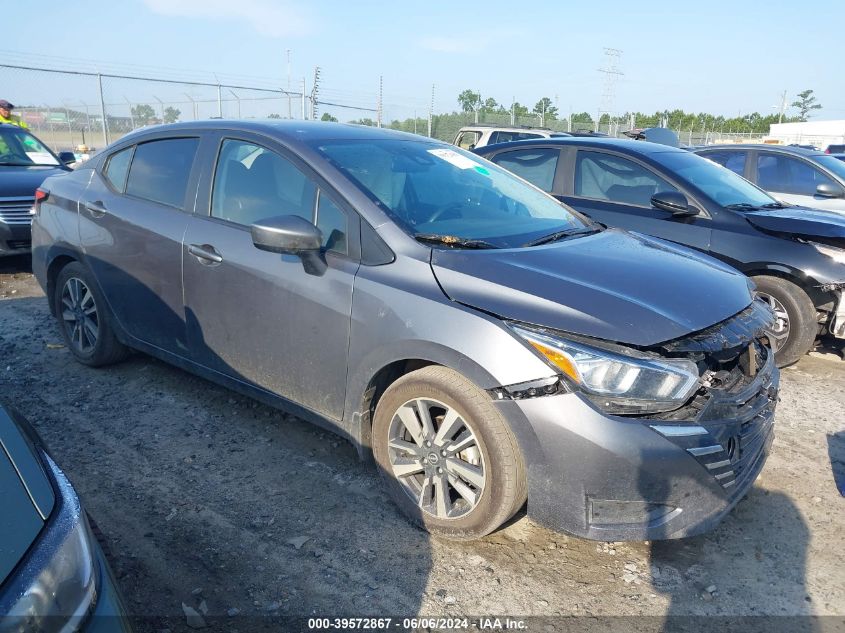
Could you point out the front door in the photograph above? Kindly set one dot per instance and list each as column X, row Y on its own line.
column 617, row 191
column 794, row 180
column 261, row 317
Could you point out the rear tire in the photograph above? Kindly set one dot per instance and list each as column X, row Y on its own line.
column 84, row 318
column 794, row 310
column 463, row 477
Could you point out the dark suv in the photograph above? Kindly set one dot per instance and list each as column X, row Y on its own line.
column 795, row 255
column 24, row 164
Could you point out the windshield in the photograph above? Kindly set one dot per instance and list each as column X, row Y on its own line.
column 719, row 183
column 20, row 148
column 833, row 164
column 432, row 190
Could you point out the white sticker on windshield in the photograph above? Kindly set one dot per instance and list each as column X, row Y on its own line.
column 41, row 158
column 458, row 160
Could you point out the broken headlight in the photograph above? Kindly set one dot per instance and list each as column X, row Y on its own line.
column 616, row 382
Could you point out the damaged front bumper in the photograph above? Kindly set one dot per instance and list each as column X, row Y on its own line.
column 656, row 476
column 837, row 318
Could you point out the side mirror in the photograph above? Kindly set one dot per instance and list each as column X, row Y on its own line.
column 830, row 190
column 286, row 234
column 67, row 158
column 673, row 202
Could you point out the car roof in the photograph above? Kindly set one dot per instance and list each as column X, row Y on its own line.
column 290, row 130
column 785, row 149
column 628, row 146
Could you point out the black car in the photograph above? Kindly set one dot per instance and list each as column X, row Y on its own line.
column 795, row 255
column 53, row 574
column 24, row 164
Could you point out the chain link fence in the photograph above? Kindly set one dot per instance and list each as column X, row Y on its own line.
column 85, row 111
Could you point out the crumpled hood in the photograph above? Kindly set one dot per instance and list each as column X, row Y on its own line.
column 21, row 182
column 799, row 221
column 612, row 285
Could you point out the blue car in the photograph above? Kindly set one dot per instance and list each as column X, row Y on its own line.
column 53, row 574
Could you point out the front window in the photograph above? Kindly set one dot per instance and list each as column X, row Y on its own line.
column 784, row 174
column 718, row 183
column 429, row 189
column 468, row 140
column 605, row 177
column 19, row 148
column 833, row 164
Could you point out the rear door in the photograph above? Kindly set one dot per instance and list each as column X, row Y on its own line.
column 132, row 221
column 261, row 317
column 734, row 159
column 616, row 190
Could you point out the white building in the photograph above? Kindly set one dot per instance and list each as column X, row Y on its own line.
column 818, row 133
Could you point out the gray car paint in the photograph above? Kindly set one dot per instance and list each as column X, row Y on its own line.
column 398, row 313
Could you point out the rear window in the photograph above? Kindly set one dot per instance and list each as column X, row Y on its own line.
column 118, row 168
column 160, row 170
column 537, row 166
column 506, row 137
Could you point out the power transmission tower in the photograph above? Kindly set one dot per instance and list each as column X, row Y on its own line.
column 315, row 91
column 380, row 95
column 782, row 106
column 431, row 110
column 612, row 73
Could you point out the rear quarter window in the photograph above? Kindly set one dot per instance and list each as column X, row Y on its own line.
column 117, row 168
column 160, row 170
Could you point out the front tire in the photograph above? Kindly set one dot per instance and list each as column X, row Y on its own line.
column 796, row 327
column 84, row 318
column 446, row 454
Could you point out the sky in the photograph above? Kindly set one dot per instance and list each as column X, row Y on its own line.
column 722, row 57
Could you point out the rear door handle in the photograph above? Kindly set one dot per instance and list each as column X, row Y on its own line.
column 205, row 253
column 96, row 208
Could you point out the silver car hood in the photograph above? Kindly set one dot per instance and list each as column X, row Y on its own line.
column 611, row 285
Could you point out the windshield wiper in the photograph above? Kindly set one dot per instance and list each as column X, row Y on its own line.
column 559, row 235
column 741, row 205
column 775, row 205
column 5, row 164
column 451, row 240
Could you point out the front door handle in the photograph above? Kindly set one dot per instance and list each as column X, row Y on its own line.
column 97, row 209
column 205, row 253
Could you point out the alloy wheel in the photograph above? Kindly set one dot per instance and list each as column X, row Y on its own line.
column 780, row 330
column 79, row 315
column 435, row 455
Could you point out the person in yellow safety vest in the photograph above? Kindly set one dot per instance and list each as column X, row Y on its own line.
column 6, row 115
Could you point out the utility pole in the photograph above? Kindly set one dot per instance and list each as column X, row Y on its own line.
column 315, row 91
column 238, row 100
column 782, row 106
column 219, row 101
column 193, row 103
column 431, row 110
column 160, row 107
column 103, row 110
column 290, row 116
column 380, row 96
column 513, row 112
column 131, row 116
column 304, row 113
column 612, row 73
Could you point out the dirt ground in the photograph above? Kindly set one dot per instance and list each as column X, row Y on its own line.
column 206, row 497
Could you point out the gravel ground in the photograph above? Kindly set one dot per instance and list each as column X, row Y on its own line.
column 207, row 498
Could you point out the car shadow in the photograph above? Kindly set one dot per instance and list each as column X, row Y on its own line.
column 836, row 452
column 16, row 264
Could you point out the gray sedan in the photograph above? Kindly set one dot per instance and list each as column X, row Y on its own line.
column 484, row 343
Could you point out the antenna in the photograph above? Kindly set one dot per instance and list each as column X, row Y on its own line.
column 612, row 60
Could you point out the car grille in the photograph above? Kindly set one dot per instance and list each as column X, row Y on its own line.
column 16, row 210
column 730, row 430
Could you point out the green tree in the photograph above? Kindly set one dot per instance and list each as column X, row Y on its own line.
column 273, row 115
column 519, row 110
column 328, row 117
column 469, row 100
column 806, row 103
column 365, row 121
column 143, row 114
column 171, row 115
column 490, row 105
column 545, row 109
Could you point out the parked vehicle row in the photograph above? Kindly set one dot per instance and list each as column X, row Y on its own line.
column 795, row 255
column 484, row 343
